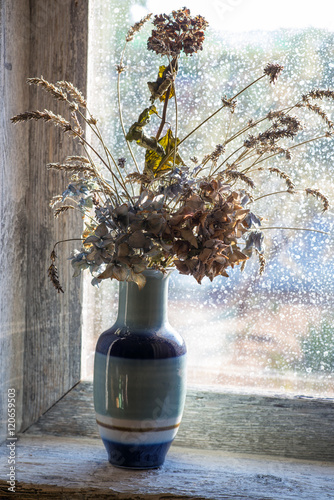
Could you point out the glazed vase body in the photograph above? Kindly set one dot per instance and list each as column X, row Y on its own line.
column 140, row 377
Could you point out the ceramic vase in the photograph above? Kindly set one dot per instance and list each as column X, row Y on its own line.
column 140, row 377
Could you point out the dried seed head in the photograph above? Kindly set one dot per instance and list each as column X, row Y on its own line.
column 236, row 175
column 229, row 103
column 284, row 126
column 74, row 106
column 80, row 168
column 53, row 273
column 219, row 150
column 62, row 210
column 74, row 92
column 283, row 175
column 55, row 200
column 273, row 71
column 274, row 114
column 49, row 87
column 81, row 159
column 120, row 68
column 92, row 121
column 121, row 162
column 317, row 194
column 319, row 94
column 136, row 27
column 317, row 110
column 262, row 261
column 45, row 115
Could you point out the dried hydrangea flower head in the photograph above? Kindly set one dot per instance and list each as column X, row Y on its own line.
column 177, row 32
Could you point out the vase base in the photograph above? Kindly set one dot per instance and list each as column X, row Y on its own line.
column 133, row 456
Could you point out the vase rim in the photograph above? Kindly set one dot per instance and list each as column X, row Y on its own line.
column 156, row 272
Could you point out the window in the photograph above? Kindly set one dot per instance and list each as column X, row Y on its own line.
column 40, row 332
column 273, row 332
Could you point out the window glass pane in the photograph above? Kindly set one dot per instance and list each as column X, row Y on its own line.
column 271, row 332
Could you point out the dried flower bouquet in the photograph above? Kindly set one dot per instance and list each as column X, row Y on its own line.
column 186, row 213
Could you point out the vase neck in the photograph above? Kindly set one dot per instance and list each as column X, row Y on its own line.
column 144, row 308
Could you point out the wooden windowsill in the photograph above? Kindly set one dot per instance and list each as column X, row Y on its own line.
column 291, row 427
column 50, row 467
column 61, row 456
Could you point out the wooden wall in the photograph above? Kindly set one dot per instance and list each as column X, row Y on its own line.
column 40, row 339
column 14, row 158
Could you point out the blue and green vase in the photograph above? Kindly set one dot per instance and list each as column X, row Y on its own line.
column 140, row 377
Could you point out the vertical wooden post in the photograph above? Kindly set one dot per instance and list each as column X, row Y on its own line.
column 40, row 329
column 14, row 180
column 58, row 51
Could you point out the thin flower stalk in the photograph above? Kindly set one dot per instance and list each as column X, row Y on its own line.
column 271, row 194
column 92, row 123
column 120, row 70
column 294, row 146
column 295, row 229
column 129, row 37
column 176, row 123
column 120, row 181
column 246, row 129
column 209, row 118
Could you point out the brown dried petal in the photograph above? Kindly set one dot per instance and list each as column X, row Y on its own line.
column 195, row 202
column 241, row 214
column 176, row 220
column 236, row 257
column 101, row 230
column 139, row 279
column 123, row 250
column 155, row 224
column 182, row 266
column 91, row 239
column 120, row 272
column 188, row 235
column 221, row 259
column 181, row 248
column 205, row 254
column 121, row 210
column 91, row 256
column 137, row 239
column 139, row 267
column 108, row 272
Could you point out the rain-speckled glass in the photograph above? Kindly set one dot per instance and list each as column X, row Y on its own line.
column 248, row 332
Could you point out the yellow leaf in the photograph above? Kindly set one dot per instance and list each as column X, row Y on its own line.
column 136, row 128
column 171, row 92
column 144, row 117
column 153, row 159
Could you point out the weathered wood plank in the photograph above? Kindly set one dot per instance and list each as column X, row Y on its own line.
column 53, row 334
column 14, row 178
column 40, row 332
column 295, row 427
column 76, row 468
